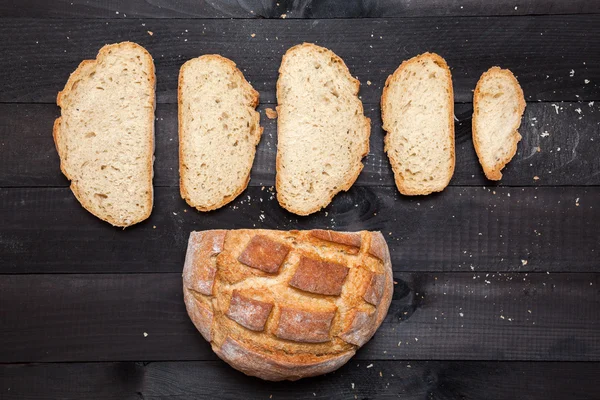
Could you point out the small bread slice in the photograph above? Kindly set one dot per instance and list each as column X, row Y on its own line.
column 105, row 135
column 498, row 105
column 219, row 129
column 321, row 129
column 417, row 109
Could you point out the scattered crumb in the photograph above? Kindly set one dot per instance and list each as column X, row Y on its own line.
column 370, row 366
column 556, row 107
column 154, row 227
column 271, row 114
column 578, row 111
column 284, row 16
column 352, row 385
column 150, row 33
column 145, row 334
column 524, row 262
column 253, row 34
column 572, row 73
column 369, row 83
column 577, row 202
column 536, row 178
column 586, row 81
column 544, row 134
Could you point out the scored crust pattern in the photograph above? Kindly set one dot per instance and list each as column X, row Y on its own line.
column 287, row 304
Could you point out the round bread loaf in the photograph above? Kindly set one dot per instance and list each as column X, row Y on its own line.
column 287, row 304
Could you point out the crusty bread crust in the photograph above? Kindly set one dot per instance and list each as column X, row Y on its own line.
column 255, row 100
column 79, row 73
column 493, row 172
column 398, row 173
column 280, row 120
column 217, row 268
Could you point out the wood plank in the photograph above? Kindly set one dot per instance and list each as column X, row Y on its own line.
column 551, row 229
column 414, row 380
column 101, row 381
column 445, row 316
column 568, row 141
column 291, row 9
column 542, row 51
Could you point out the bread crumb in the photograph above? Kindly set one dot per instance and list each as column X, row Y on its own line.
column 578, row 111
column 586, row 81
column 150, row 33
column 544, row 134
column 284, row 16
column 536, row 178
column 253, row 35
column 271, row 114
column 524, row 262
column 370, row 366
column 154, row 227
column 352, row 384
column 145, row 334
column 572, row 73
column 369, row 83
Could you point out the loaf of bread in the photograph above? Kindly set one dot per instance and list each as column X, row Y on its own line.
column 498, row 105
column 105, row 135
column 417, row 109
column 322, row 132
column 219, row 129
column 287, row 304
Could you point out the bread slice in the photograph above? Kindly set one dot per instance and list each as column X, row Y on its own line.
column 105, row 135
column 219, row 129
column 498, row 105
column 321, row 128
column 417, row 109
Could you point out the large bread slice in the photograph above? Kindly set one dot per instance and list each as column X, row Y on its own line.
column 105, row 135
column 219, row 129
column 498, row 106
column 417, row 109
column 321, row 129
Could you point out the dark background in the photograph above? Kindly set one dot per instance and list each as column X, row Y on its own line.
column 498, row 284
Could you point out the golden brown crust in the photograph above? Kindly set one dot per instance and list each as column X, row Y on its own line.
column 262, row 325
column 352, row 240
column 355, row 82
column 402, row 188
column 255, row 100
column 272, row 368
column 56, row 134
column 249, row 312
column 493, row 172
column 319, row 276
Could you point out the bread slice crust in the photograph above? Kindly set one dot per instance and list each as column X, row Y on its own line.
column 254, row 96
column 493, row 171
column 85, row 68
column 282, row 198
column 403, row 186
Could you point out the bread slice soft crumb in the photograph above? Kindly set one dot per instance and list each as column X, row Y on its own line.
column 219, row 129
column 322, row 131
column 417, row 109
column 498, row 106
column 105, row 135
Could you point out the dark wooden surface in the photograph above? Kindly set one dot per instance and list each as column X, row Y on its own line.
column 497, row 291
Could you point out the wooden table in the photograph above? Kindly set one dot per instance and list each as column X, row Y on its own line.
column 498, row 285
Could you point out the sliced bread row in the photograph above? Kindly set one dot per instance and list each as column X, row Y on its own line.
column 105, row 135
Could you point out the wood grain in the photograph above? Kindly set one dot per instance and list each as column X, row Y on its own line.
column 568, row 143
column 503, row 229
column 541, row 51
column 496, row 316
column 412, row 380
column 289, row 8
